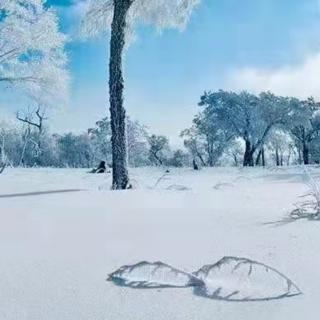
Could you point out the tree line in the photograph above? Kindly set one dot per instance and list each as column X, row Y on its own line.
column 239, row 129
column 29, row 143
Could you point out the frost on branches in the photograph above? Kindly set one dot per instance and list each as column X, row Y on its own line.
column 121, row 16
column 160, row 13
column 32, row 56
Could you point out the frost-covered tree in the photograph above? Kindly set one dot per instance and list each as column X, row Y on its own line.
column 122, row 16
column 215, row 137
column 179, row 159
column 32, row 56
column 247, row 116
column 34, row 120
column 314, row 149
column 235, row 152
column 100, row 137
column 75, row 150
column 159, row 146
column 5, row 142
column 137, row 141
column 305, row 126
column 11, row 143
column 195, row 144
column 281, row 147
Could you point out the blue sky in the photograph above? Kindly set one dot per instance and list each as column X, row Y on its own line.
column 166, row 74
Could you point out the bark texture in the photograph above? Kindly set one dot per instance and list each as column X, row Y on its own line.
column 248, row 160
column 120, row 178
column 305, row 153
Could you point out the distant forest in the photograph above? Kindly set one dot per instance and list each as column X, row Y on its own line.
column 231, row 129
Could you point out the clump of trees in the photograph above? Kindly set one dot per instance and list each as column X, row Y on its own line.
column 230, row 129
column 28, row 142
column 265, row 125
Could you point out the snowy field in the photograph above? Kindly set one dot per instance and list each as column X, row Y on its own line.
column 62, row 232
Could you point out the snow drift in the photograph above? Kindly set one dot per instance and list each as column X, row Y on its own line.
column 230, row 279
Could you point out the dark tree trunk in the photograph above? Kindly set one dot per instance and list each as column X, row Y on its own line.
column 2, row 167
column 305, row 153
column 120, row 178
column 210, row 161
column 158, row 158
column 248, row 155
column 195, row 165
column 263, row 158
column 277, row 157
column 201, row 159
column 299, row 155
column 258, row 159
column 210, row 155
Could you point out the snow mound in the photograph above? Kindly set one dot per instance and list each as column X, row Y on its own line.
column 152, row 275
column 240, row 279
column 242, row 179
column 178, row 187
column 222, row 185
column 230, row 279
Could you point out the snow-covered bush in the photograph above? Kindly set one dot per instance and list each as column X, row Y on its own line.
column 310, row 207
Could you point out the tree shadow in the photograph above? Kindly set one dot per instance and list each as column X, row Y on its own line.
column 279, row 223
column 284, row 177
column 291, row 219
column 38, row 193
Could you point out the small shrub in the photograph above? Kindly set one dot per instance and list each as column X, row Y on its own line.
column 310, row 207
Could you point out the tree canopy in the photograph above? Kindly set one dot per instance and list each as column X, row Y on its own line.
column 32, row 56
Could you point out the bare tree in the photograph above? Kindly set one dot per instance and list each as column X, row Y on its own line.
column 38, row 124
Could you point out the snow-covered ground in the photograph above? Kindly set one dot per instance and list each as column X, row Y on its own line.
column 62, row 232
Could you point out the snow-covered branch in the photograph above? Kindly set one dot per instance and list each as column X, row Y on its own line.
column 32, row 56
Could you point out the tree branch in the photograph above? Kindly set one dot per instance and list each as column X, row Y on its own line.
column 26, row 120
column 19, row 79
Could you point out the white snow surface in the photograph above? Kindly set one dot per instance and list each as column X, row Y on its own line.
column 57, row 249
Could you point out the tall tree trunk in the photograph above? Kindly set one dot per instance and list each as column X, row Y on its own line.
column 258, row 159
column 263, row 157
column 248, row 155
column 201, row 159
column 210, row 154
column 305, row 153
column 299, row 155
column 157, row 158
column 120, row 177
column 210, row 161
column 235, row 159
column 277, row 157
column 2, row 167
column 195, row 165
